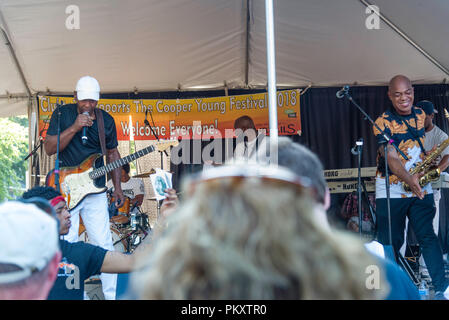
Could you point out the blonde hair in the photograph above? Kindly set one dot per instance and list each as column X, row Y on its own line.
column 252, row 239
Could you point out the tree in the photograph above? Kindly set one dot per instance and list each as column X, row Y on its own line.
column 13, row 149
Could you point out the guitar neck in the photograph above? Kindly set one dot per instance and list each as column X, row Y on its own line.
column 96, row 173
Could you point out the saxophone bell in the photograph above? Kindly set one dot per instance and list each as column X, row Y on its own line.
column 433, row 174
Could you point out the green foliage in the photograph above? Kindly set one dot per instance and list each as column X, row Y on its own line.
column 13, row 149
column 22, row 120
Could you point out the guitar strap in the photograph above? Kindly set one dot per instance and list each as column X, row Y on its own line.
column 100, row 122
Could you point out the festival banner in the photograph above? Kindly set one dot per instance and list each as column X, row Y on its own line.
column 187, row 118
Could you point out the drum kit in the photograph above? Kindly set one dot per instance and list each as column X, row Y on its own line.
column 128, row 224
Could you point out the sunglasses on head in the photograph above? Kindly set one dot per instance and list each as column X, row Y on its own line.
column 267, row 174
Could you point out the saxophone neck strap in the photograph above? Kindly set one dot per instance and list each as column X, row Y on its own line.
column 413, row 131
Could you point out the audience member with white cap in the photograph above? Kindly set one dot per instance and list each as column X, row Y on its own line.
column 80, row 260
column 29, row 254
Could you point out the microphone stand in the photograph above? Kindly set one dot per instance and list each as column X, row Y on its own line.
column 147, row 123
column 32, row 153
column 35, row 165
column 357, row 150
column 387, row 141
column 58, row 187
column 370, row 207
column 36, row 159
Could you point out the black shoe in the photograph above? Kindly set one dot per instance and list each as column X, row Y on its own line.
column 439, row 295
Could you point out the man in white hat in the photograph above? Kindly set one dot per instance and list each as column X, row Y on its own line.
column 79, row 139
column 29, row 252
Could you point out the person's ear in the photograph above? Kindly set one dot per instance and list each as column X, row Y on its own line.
column 53, row 270
column 54, row 266
column 389, row 93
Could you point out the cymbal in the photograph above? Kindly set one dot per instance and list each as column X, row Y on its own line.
column 145, row 175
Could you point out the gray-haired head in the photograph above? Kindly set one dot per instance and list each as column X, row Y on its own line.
column 304, row 163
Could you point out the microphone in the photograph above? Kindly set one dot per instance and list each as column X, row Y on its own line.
column 151, row 128
column 84, row 136
column 358, row 145
column 341, row 93
column 146, row 121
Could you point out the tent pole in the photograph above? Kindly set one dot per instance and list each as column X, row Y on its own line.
column 271, row 68
column 248, row 17
column 408, row 39
column 31, row 139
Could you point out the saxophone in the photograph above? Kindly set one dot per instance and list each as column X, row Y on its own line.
column 431, row 173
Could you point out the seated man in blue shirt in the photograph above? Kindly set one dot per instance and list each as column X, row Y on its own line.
column 80, row 260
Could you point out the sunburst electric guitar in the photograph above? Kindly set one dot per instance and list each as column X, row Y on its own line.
column 78, row 182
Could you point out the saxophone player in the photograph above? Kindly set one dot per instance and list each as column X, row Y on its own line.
column 404, row 123
column 434, row 137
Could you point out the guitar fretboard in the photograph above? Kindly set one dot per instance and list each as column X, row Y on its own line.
column 96, row 173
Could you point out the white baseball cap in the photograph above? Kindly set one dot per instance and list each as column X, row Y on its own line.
column 88, row 88
column 28, row 239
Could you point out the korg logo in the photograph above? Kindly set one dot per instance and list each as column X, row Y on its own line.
column 331, row 174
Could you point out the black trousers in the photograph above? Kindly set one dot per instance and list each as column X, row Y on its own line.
column 420, row 214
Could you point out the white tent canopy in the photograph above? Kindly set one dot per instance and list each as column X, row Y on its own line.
column 153, row 45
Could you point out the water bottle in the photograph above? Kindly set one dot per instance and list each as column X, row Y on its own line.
column 423, row 290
